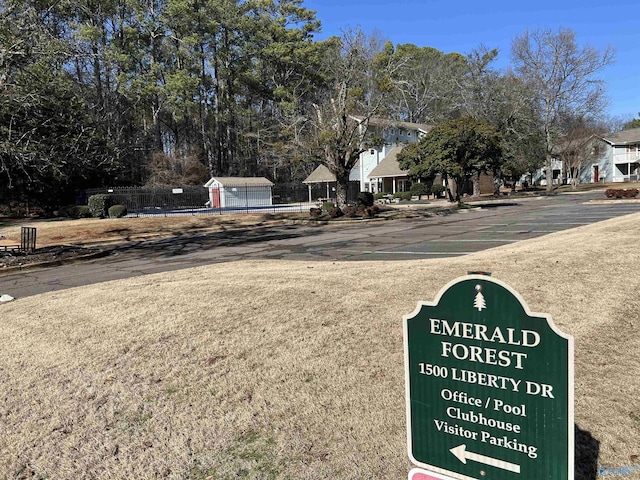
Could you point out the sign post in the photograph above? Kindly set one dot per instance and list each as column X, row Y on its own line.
column 489, row 386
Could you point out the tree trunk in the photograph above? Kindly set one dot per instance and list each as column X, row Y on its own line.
column 574, row 183
column 476, row 184
column 452, row 189
column 549, row 173
column 342, row 189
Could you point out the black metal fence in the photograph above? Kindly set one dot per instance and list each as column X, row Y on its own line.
column 140, row 200
column 241, row 198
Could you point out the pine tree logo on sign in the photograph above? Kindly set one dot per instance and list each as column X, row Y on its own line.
column 479, row 301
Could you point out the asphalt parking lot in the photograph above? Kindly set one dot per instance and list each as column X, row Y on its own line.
column 492, row 225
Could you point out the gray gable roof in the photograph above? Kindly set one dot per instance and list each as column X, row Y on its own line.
column 389, row 166
column 624, row 137
column 320, row 175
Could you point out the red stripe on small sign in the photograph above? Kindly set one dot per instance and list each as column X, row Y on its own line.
column 418, row 475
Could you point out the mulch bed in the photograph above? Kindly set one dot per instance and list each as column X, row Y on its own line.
column 45, row 254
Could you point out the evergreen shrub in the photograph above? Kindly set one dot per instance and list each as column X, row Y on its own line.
column 437, row 190
column 327, row 205
column 73, row 211
column 117, row 211
column 418, row 189
column 99, row 205
column 365, row 199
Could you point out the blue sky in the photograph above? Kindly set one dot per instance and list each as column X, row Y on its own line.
column 461, row 26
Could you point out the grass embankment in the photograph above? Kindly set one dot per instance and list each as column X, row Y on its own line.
column 271, row 369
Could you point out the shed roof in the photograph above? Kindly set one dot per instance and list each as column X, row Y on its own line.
column 624, row 137
column 240, row 181
column 389, row 166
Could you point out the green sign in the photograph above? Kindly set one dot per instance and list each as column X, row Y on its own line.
column 489, row 386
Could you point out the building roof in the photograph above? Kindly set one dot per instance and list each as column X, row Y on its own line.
column 320, row 175
column 624, row 137
column 564, row 145
column 240, row 181
column 389, row 166
column 385, row 122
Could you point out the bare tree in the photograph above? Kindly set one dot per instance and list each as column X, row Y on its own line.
column 562, row 77
column 579, row 145
column 340, row 114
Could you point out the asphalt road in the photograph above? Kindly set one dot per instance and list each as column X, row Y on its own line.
column 495, row 224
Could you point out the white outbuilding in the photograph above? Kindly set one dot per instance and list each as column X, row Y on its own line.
column 239, row 192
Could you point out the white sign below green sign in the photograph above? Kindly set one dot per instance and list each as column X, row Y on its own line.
column 489, row 386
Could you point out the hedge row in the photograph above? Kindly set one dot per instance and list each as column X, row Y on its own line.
column 100, row 206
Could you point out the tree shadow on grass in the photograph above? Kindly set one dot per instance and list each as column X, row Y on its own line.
column 587, row 452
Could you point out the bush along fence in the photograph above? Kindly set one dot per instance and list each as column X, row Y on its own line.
column 197, row 200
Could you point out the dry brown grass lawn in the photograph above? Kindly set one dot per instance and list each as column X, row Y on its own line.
column 271, row 369
column 86, row 230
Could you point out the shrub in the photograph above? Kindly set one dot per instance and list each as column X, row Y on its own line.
column 418, row 189
column 621, row 193
column 117, row 211
column 402, row 195
column 365, row 199
column 379, row 196
column 73, row 211
column 335, row 212
column 315, row 212
column 15, row 209
column 327, row 205
column 437, row 190
column 99, row 205
column 82, row 211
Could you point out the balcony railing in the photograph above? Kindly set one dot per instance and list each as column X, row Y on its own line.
column 626, row 157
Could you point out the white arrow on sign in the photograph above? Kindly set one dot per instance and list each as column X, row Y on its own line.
column 461, row 454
